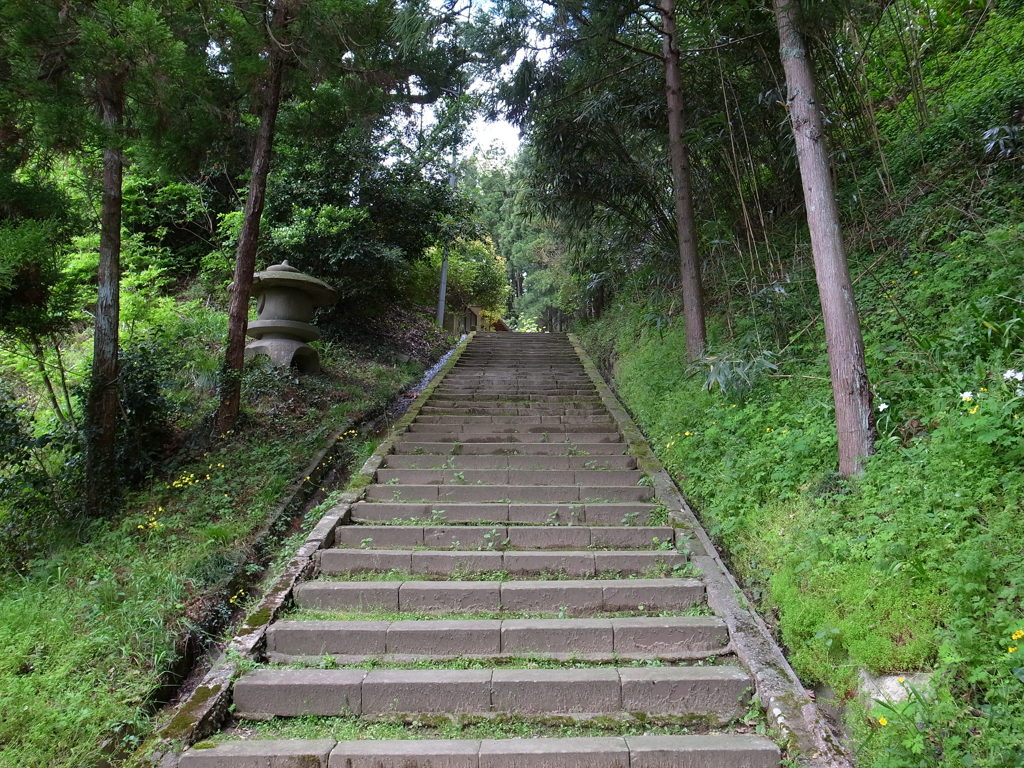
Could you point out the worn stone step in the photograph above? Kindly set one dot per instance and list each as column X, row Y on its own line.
column 506, row 398
column 473, row 448
column 458, row 429
column 519, row 377
column 280, row 753
column 465, row 420
column 543, row 391
column 591, row 513
column 540, row 494
column 589, row 477
column 497, row 410
column 540, row 537
column 570, row 439
column 500, row 461
column 561, row 596
column 438, row 562
column 596, row 639
column 718, row 693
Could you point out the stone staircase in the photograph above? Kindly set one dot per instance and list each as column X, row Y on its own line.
column 509, row 562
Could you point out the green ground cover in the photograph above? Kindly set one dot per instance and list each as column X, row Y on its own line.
column 919, row 564
column 92, row 624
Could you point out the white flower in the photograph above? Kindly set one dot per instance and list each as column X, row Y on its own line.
column 1020, row 392
column 1013, row 375
column 882, row 406
column 967, row 396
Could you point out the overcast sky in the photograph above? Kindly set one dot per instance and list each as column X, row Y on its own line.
column 484, row 134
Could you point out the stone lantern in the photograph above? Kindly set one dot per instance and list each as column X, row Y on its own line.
column 285, row 302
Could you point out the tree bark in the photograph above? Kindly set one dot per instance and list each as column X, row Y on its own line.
column 850, row 387
column 103, row 406
column 40, row 357
column 679, row 155
column 245, row 253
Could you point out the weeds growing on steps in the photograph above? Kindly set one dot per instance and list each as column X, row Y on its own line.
column 348, row 728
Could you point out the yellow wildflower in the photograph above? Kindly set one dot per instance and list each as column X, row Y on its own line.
column 882, row 721
column 1017, row 635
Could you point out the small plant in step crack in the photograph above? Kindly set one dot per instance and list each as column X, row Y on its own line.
column 665, row 545
column 630, row 518
column 396, row 495
column 493, row 541
column 563, row 612
column 459, row 477
column 553, row 517
column 392, row 481
column 366, row 543
column 659, row 515
column 646, row 480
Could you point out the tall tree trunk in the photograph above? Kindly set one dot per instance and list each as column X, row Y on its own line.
column 245, row 254
column 39, row 355
column 103, row 407
column 62, row 372
column 850, row 387
column 686, row 228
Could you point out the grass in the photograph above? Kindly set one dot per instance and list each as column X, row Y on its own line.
column 657, row 571
column 537, row 661
column 918, row 564
column 700, row 609
column 467, row 727
column 91, row 628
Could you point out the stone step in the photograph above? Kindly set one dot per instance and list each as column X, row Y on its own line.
column 527, row 399
column 716, row 751
column 559, row 596
column 644, row 637
column 717, row 693
column 538, row 494
column 445, row 447
column 438, row 434
column 495, row 410
column 547, row 389
column 500, row 461
column 589, row 477
column 511, row 382
column 538, row 421
column 478, row 537
column 527, row 373
column 597, row 513
column 459, row 429
column 438, row 562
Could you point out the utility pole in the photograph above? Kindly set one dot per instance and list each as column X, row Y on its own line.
column 442, row 294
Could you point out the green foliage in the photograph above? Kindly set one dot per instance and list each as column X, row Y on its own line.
column 129, row 588
column 476, row 276
column 916, row 564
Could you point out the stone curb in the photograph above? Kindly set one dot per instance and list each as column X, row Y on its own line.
column 204, row 710
column 787, row 704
